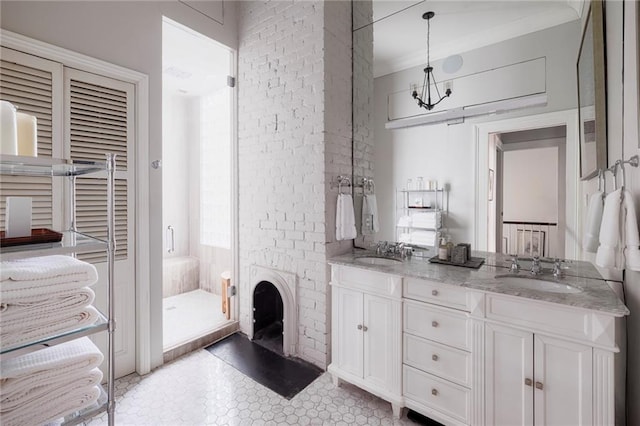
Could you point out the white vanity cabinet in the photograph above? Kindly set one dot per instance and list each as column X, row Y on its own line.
column 547, row 364
column 366, row 319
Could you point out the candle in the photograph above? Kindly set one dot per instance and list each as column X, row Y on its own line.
column 27, row 135
column 8, row 129
column 18, row 223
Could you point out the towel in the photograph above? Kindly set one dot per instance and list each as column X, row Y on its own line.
column 39, row 275
column 41, row 390
column 632, row 239
column 424, row 238
column 24, row 308
column 404, row 221
column 345, row 218
column 609, row 231
column 592, row 224
column 55, row 405
column 76, row 355
column 370, row 222
column 13, row 334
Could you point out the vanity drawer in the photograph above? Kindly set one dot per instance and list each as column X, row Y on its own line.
column 443, row 361
column 441, row 325
column 433, row 392
column 433, row 292
column 366, row 280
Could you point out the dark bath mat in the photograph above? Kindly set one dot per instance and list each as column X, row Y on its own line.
column 285, row 376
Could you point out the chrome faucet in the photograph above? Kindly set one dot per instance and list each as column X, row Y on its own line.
column 536, row 269
column 557, row 269
column 515, row 266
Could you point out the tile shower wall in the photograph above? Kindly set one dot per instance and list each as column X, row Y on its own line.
column 294, row 137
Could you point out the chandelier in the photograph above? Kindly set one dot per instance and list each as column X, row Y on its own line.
column 429, row 77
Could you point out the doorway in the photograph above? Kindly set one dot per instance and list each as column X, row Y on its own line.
column 197, row 180
column 529, row 205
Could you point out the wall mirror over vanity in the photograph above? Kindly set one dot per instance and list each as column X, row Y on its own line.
column 492, row 345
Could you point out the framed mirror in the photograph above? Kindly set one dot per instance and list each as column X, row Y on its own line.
column 592, row 100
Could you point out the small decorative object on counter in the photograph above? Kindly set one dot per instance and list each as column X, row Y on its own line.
column 442, row 249
column 449, row 247
column 468, row 246
column 459, row 254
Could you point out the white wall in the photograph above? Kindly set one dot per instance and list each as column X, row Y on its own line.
column 129, row 34
column 446, row 152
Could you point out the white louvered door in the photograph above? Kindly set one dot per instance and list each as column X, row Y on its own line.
column 34, row 85
column 99, row 118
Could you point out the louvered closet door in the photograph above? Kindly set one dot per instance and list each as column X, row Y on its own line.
column 34, row 85
column 99, row 117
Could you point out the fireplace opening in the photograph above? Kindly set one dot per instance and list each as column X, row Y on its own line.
column 268, row 315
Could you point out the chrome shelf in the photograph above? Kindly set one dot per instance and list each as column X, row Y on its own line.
column 44, row 166
column 24, row 348
column 72, row 242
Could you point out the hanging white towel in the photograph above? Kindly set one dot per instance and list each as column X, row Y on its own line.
column 632, row 239
column 609, row 231
column 370, row 223
column 592, row 224
column 345, row 218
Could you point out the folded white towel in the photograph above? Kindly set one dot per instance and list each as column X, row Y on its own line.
column 42, row 390
column 404, row 221
column 39, row 275
column 56, row 405
column 632, row 239
column 27, row 332
column 592, row 224
column 405, row 237
column 609, row 231
column 370, row 222
column 76, row 355
column 24, row 308
column 345, row 218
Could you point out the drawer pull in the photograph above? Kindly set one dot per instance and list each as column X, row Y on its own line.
column 539, row 385
column 434, row 292
column 359, row 326
column 434, row 392
column 528, row 382
column 434, row 323
column 365, row 328
column 434, row 357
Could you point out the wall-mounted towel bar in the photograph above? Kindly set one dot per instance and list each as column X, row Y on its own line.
column 633, row 162
column 342, row 181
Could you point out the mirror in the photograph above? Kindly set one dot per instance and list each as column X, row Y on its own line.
column 478, row 37
column 592, row 95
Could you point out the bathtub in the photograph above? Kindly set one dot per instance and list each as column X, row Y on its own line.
column 179, row 275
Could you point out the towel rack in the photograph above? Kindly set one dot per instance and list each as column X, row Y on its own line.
column 343, row 181
column 633, row 162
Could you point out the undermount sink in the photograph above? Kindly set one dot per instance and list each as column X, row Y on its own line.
column 381, row 261
column 538, row 284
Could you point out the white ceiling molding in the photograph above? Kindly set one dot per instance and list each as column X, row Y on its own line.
column 456, row 116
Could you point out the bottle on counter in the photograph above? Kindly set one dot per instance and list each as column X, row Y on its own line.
column 442, row 249
column 450, row 246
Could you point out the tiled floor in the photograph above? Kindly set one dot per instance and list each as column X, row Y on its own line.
column 190, row 315
column 200, row 389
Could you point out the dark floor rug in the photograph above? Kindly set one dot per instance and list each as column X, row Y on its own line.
column 285, row 376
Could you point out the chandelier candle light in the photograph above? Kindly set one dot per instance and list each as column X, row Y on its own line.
column 429, row 77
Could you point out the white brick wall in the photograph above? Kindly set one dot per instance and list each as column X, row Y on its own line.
column 294, row 135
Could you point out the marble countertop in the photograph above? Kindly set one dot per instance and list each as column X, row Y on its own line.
column 595, row 293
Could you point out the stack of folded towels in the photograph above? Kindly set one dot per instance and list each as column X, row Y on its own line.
column 421, row 238
column 44, row 296
column 48, row 384
column 430, row 220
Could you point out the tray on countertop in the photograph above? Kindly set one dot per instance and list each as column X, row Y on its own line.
column 38, row 236
column 473, row 262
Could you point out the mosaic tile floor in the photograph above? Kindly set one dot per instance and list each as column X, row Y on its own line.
column 200, row 389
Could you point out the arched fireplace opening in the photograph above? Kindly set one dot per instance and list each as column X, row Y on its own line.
column 268, row 316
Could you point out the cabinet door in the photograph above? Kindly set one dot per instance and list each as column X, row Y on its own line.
column 347, row 328
column 509, row 375
column 382, row 340
column 563, row 382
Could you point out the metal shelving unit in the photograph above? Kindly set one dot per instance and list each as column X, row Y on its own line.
column 406, row 205
column 73, row 242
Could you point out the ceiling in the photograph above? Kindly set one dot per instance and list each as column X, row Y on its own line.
column 458, row 26
column 192, row 64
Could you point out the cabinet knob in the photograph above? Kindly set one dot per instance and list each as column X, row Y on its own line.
column 365, row 328
column 434, row 323
column 434, row 357
column 359, row 326
column 528, row 382
column 434, row 292
column 539, row 385
column 434, row 392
